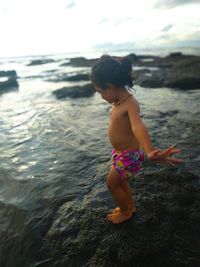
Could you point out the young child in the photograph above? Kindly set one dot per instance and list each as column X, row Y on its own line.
column 128, row 135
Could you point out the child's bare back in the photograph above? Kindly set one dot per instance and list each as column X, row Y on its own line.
column 120, row 132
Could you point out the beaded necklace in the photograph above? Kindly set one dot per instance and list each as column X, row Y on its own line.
column 122, row 101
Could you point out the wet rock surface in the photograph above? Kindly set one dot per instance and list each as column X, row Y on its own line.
column 163, row 233
column 75, row 232
column 75, row 91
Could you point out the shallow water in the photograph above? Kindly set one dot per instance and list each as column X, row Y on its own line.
column 52, row 149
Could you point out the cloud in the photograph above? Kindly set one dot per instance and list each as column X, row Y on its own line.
column 114, row 46
column 121, row 21
column 128, row 26
column 104, row 20
column 186, row 38
column 70, row 5
column 115, row 21
column 167, row 4
column 167, row 28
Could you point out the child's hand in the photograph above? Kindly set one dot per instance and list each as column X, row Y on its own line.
column 164, row 156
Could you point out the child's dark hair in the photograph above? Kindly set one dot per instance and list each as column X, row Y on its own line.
column 112, row 70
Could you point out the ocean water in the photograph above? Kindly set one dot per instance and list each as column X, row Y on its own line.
column 52, row 149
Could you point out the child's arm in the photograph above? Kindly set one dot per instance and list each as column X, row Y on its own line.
column 138, row 127
column 141, row 133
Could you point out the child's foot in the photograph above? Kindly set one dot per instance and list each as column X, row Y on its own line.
column 119, row 217
column 133, row 210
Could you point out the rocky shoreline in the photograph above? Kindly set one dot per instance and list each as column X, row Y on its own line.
column 176, row 71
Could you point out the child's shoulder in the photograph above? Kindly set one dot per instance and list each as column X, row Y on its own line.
column 132, row 104
column 132, row 101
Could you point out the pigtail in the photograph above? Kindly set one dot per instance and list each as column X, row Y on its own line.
column 126, row 67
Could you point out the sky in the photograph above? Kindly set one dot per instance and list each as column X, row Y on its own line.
column 36, row 27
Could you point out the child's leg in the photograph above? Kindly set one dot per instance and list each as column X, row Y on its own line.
column 120, row 197
column 130, row 200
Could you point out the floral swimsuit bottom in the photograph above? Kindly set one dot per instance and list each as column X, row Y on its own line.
column 128, row 162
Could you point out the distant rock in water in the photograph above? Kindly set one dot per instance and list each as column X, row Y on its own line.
column 9, row 73
column 148, row 78
column 185, row 74
column 70, row 77
column 40, row 62
column 79, row 62
column 175, row 71
column 75, row 91
column 78, row 77
column 8, row 81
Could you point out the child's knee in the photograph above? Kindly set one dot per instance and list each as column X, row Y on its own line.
column 113, row 180
column 112, row 184
column 109, row 184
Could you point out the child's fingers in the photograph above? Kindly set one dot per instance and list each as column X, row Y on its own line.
column 157, row 153
column 157, row 150
column 177, row 160
column 174, row 151
column 154, row 153
column 174, row 161
column 170, row 151
column 166, row 151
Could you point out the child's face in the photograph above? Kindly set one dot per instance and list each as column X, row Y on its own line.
column 108, row 94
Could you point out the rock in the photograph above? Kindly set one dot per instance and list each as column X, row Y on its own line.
column 75, row 91
column 8, row 84
column 79, row 62
column 70, row 78
column 151, row 79
column 175, row 54
column 142, row 59
column 185, row 74
column 8, row 81
column 9, row 73
column 78, row 77
column 164, row 232
column 182, row 82
column 176, row 71
column 40, row 62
